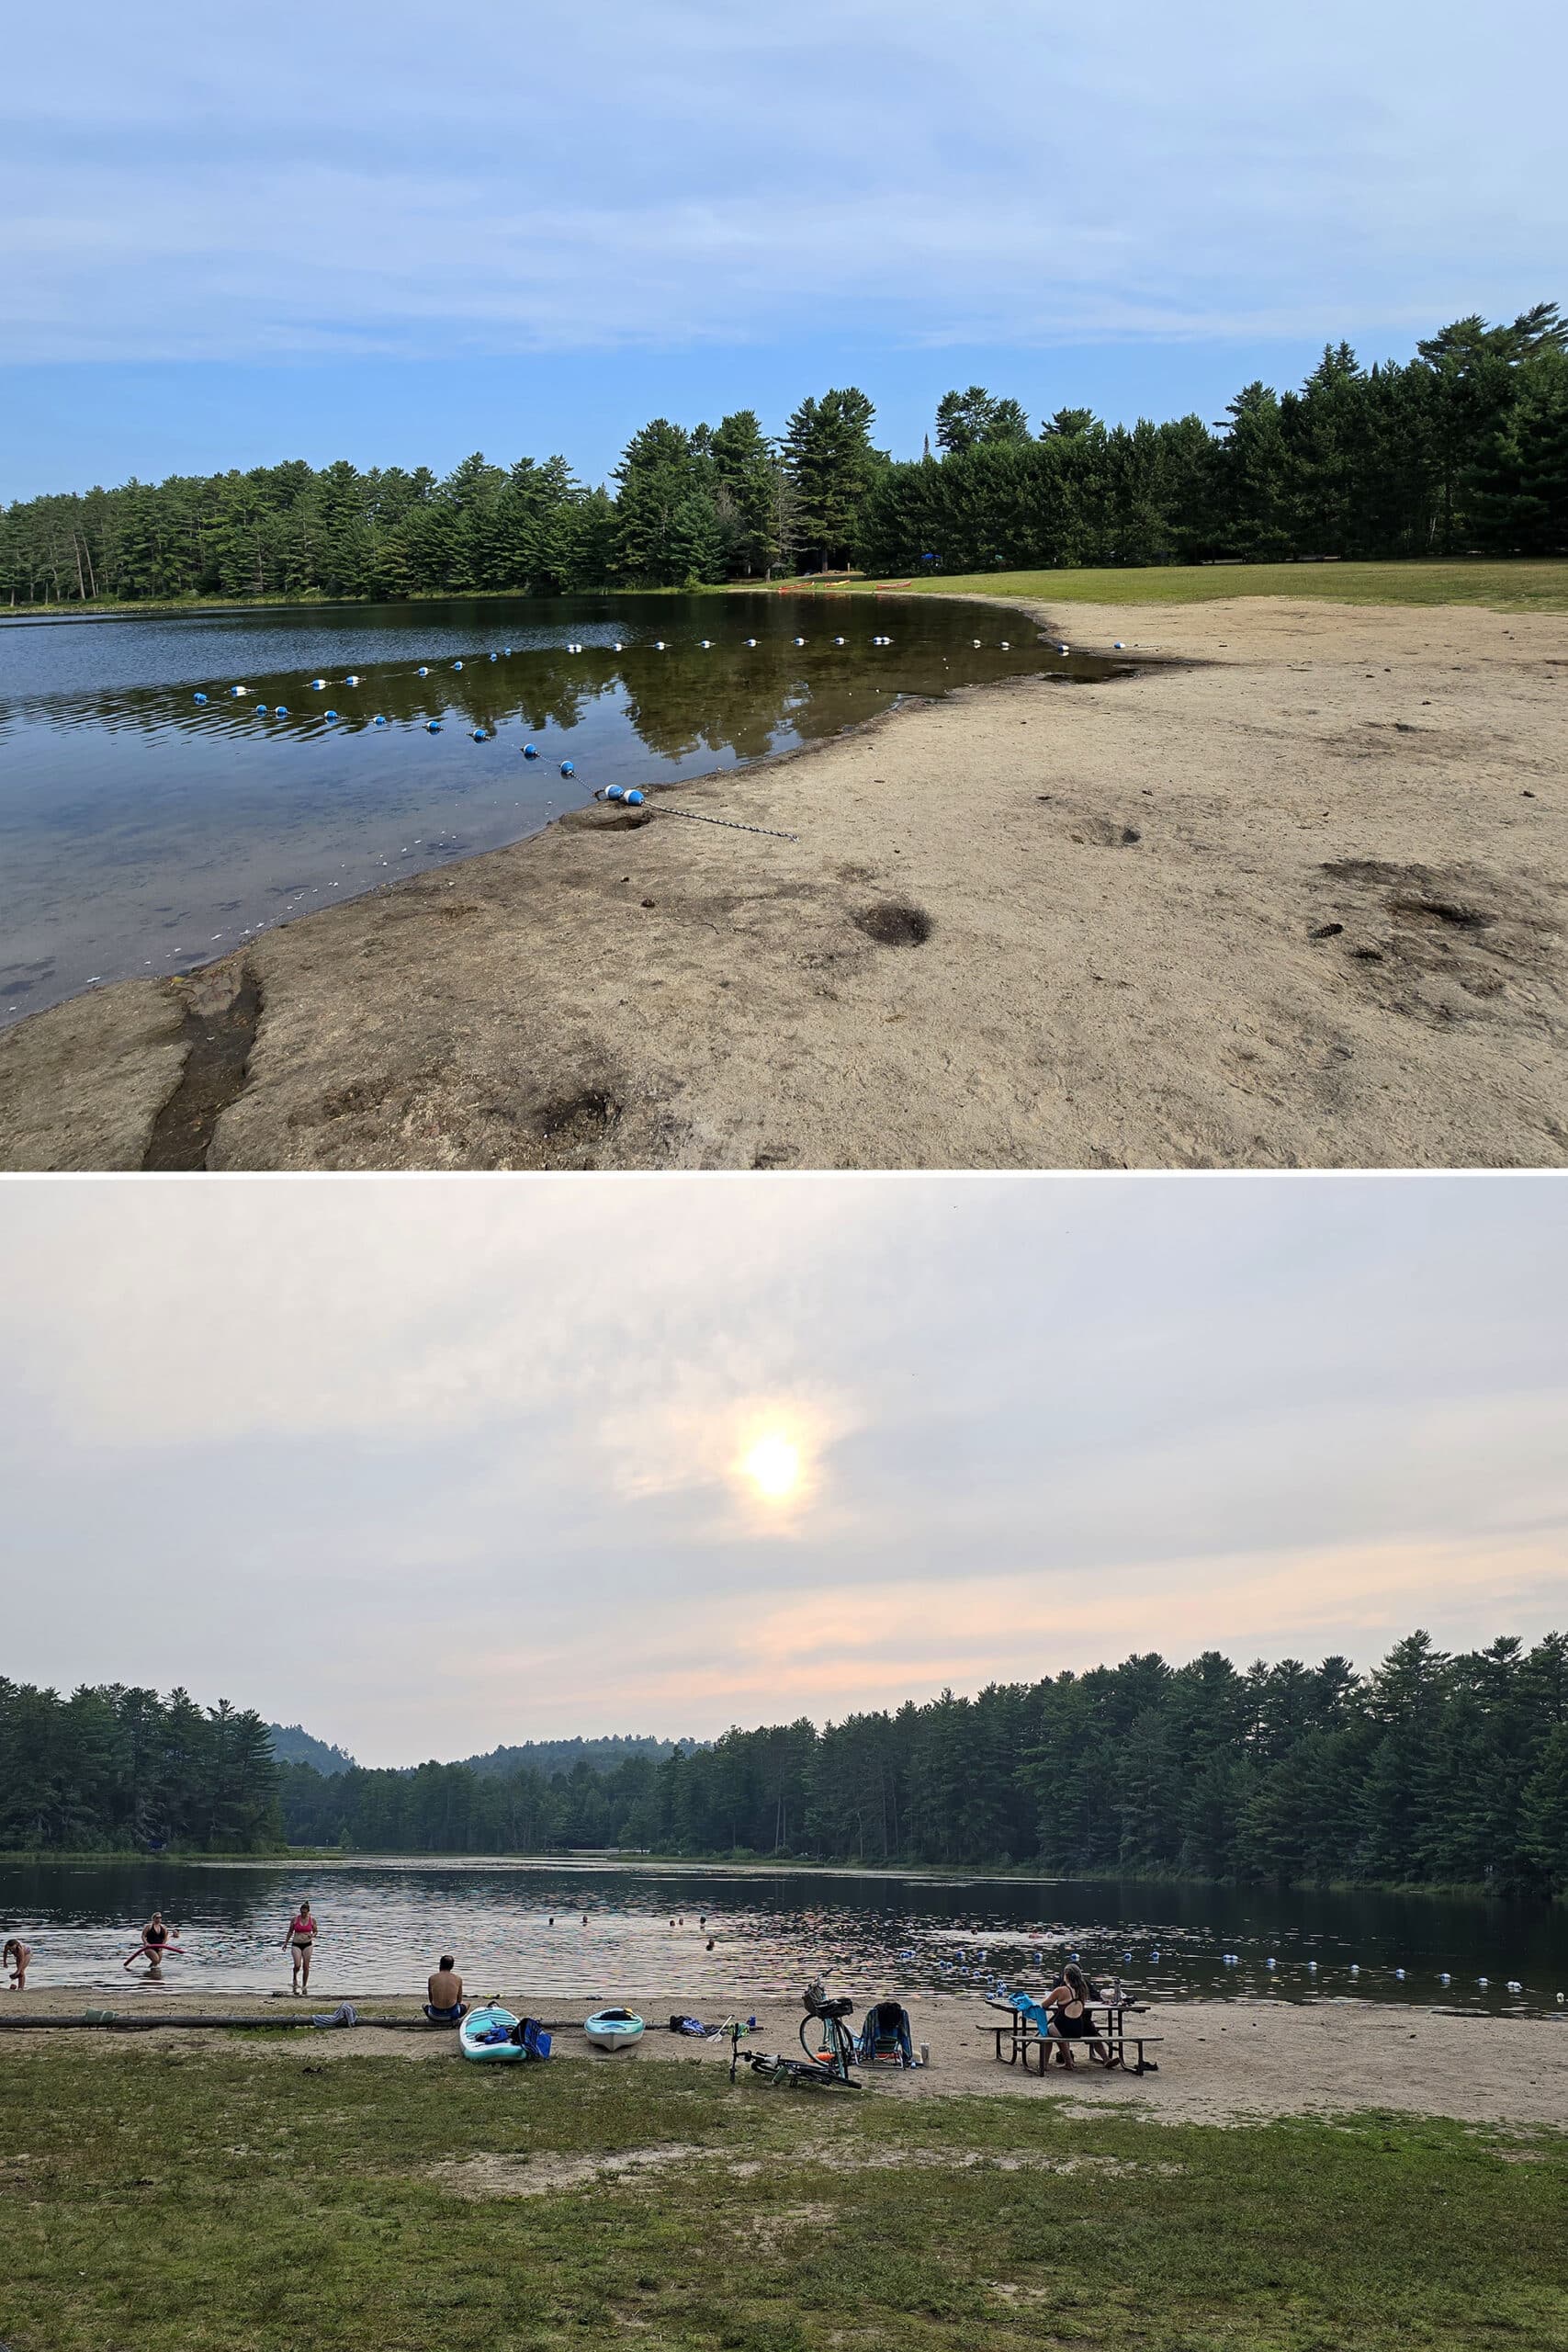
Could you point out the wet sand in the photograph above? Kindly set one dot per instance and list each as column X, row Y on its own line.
column 1294, row 899
column 1220, row 2062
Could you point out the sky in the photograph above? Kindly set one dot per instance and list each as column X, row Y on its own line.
column 430, row 1466
column 230, row 238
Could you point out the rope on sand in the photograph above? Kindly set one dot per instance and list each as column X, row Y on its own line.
column 693, row 817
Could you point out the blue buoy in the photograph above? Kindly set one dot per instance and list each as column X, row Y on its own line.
column 493, row 657
column 352, row 681
column 432, row 727
column 456, row 665
column 481, row 735
column 330, row 714
column 1399, row 1975
column 800, row 641
column 1444, row 1978
column 567, row 768
column 530, row 750
column 317, row 684
column 280, row 710
column 658, row 644
column 378, row 720
column 636, row 799
column 505, row 648
column 421, row 673
column 198, row 697
column 237, row 690
column 750, row 640
column 261, row 710
column 614, row 792
column 618, row 647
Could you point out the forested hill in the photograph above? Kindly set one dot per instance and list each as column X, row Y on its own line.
column 1432, row 1769
column 555, row 1757
column 292, row 1744
column 1462, row 448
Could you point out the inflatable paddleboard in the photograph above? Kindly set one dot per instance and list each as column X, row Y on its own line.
column 484, row 2035
column 613, row 2029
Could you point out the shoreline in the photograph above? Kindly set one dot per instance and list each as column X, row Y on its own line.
column 1219, row 2062
column 1288, row 895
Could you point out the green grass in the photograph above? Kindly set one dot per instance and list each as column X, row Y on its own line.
column 1539, row 587
column 254, row 2202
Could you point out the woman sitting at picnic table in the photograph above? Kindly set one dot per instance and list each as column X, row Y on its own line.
column 1068, row 2020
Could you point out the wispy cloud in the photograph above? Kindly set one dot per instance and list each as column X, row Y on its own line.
column 370, row 181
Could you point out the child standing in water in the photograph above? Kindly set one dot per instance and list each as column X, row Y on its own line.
column 300, row 1942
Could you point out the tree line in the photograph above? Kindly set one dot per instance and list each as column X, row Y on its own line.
column 1432, row 1769
column 1461, row 449
column 116, row 1769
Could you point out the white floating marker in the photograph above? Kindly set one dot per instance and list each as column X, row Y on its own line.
column 238, row 690
column 658, row 644
column 617, row 648
column 800, row 641
column 421, row 673
column 1514, row 1985
column 1484, row 1981
column 353, row 681
column 1006, row 647
column 1445, row 1978
column 317, row 684
column 750, row 640
column 1399, row 1975
column 456, row 665
column 837, row 640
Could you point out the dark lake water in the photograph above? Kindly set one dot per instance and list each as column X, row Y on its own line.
column 142, row 832
column 384, row 1924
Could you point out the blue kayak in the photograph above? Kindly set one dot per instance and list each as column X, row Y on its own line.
column 613, row 2029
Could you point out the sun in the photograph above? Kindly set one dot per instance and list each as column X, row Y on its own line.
column 773, row 1467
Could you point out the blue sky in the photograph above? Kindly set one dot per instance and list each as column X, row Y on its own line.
column 433, row 1465
column 381, row 232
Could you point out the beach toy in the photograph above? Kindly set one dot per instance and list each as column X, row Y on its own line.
column 432, row 727
column 530, row 750
column 636, row 799
column 198, row 697
column 568, row 767
column 378, row 720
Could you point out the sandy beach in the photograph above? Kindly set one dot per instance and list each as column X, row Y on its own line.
column 1219, row 2062
column 1290, row 896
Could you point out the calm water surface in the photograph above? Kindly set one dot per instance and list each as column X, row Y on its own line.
column 385, row 1922
column 144, row 832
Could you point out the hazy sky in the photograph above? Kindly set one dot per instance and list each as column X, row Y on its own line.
column 431, row 1466
column 230, row 236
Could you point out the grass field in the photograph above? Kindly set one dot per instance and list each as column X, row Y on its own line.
column 1532, row 587
column 235, row 2197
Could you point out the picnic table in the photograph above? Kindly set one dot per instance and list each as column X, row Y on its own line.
column 1108, row 2025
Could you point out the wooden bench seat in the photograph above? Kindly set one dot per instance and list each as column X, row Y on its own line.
column 1022, row 2037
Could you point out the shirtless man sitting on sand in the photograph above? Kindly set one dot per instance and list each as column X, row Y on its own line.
column 446, row 2004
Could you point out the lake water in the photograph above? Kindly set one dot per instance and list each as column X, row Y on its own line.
column 384, row 1923
column 143, row 831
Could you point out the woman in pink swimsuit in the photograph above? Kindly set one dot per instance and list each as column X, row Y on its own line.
column 300, row 1942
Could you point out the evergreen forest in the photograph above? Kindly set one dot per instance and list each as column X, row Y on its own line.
column 1463, row 450
column 1433, row 1770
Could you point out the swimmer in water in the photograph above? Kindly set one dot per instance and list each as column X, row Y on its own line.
column 154, row 1943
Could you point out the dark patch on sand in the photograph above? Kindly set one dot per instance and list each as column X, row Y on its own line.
column 217, row 1055
column 893, row 924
